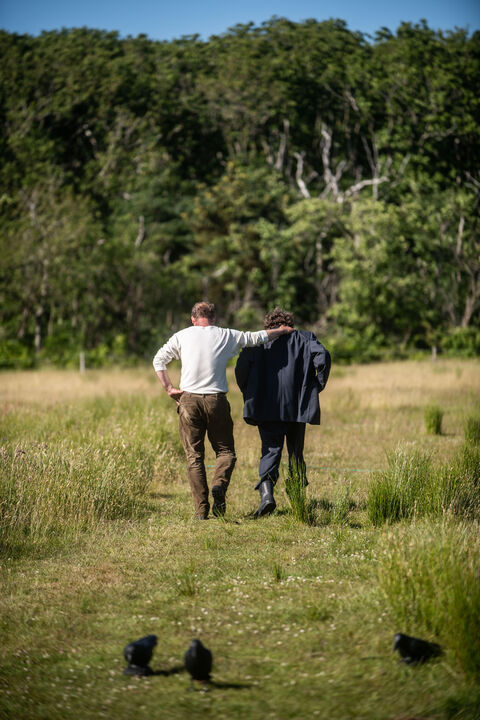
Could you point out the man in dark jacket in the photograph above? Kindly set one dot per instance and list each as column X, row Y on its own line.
column 280, row 382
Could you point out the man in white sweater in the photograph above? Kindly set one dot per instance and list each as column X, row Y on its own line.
column 204, row 351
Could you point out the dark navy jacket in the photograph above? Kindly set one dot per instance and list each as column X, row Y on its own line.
column 281, row 379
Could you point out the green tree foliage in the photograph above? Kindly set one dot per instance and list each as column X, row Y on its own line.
column 408, row 274
column 298, row 164
column 228, row 221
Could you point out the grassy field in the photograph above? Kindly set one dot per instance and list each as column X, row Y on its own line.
column 99, row 547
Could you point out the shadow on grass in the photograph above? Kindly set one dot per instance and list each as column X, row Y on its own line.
column 324, row 503
column 229, row 686
column 213, row 683
column 319, row 513
column 276, row 513
column 172, row 671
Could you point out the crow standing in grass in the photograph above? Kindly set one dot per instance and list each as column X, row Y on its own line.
column 138, row 655
column 198, row 661
column 414, row 651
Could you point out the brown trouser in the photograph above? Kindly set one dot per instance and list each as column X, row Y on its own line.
column 200, row 414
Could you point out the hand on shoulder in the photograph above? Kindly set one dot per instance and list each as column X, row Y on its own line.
column 274, row 333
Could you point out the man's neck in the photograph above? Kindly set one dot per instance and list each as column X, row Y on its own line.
column 201, row 322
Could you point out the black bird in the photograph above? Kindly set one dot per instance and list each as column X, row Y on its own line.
column 138, row 655
column 414, row 650
column 198, row 661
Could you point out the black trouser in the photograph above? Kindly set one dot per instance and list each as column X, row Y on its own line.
column 272, row 435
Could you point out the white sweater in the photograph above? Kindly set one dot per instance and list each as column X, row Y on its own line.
column 205, row 352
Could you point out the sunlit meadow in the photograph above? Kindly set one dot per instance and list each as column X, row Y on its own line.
column 99, row 547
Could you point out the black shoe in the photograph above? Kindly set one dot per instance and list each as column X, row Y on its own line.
column 267, row 501
column 219, row 504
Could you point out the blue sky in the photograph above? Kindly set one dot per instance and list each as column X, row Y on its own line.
column 167, row 19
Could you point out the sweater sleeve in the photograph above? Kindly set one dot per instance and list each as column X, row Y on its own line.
column 168, row 352
column 250, row 339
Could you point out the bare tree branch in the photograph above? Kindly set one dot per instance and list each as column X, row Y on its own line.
column 475, row 184
column 299, row 173
column 331, row 179
column 141, row 231
column 461, row 226
column 364, row 183
column 283, row 145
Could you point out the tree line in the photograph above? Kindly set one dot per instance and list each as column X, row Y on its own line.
column 293, row 164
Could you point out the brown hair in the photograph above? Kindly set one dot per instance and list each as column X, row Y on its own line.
column 276, row 317
column 204, row 310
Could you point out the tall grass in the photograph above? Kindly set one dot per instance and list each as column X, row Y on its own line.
column 472, row 428
column 413, row 486
column 459, row 483
column 430, row 578
column 433, row 417
column 47, row 491
column 395, row 493
column 314, row 511
column 91, row 462
column 296, row 489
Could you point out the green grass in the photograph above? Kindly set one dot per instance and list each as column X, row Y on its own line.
column 399, row 491
column 300, row 616
column 63, row 471
column 413, row 486
column 433, row 416
column 472, row 428
column 430, row 577
column 296, row 490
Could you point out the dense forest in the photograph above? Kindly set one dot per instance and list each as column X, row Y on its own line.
column 293, row 164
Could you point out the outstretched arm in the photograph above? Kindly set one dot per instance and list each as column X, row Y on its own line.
column 174, row 392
